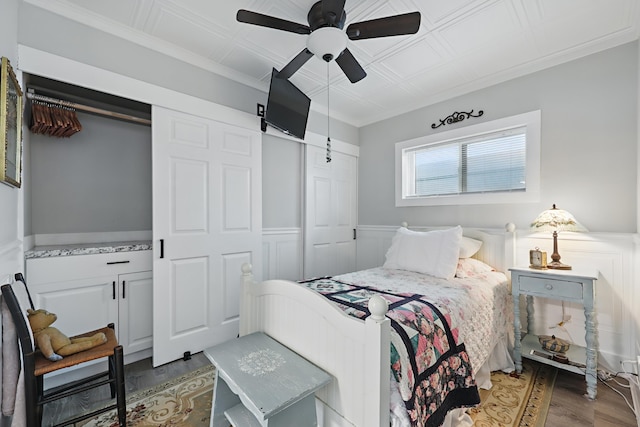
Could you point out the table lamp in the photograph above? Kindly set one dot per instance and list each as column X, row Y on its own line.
column 556, row 220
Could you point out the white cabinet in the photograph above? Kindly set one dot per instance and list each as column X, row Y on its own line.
column 135, row 311
column 90, row 291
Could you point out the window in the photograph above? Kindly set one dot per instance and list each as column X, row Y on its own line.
column 492, row 162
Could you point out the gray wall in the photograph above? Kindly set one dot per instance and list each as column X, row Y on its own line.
column 281, row 182
column 98, row 180
column 588, row 147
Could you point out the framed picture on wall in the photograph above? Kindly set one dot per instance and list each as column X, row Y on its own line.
column 11, row 100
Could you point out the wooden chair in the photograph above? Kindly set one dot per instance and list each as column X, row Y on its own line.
column 36, row 366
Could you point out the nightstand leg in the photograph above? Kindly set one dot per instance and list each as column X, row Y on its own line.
column 529, row 314
column 517, row 347
column 591, row 338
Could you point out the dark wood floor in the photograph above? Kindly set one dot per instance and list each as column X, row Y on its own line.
column 568, row 408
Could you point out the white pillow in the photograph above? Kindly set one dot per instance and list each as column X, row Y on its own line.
column 469, row 247
column 433, row 252
column 471, row 267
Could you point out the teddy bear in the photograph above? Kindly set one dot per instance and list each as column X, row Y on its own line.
column 54, row 344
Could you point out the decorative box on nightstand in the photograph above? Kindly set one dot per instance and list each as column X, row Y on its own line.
column 568, row 285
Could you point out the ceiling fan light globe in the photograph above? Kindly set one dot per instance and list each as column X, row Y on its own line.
column 327, row 41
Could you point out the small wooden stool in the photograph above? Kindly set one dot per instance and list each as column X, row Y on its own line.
column 259, row 382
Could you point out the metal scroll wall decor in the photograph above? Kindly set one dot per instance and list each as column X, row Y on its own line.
column 455, row 118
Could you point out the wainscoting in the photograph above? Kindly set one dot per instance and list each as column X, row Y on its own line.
column 11, row 260
column 282, row 253
column 614, row 255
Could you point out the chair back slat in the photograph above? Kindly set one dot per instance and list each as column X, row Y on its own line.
column 20, row 278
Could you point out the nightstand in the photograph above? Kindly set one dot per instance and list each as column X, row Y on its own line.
column 568, row 285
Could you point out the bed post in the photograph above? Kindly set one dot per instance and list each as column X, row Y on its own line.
column 377, row 364
column 247, row 322
column 509, row 248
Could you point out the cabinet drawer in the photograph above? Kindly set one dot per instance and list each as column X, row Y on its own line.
column 550, row 287
column 56, row 269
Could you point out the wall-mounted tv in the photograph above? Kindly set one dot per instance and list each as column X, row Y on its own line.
column 287, row 107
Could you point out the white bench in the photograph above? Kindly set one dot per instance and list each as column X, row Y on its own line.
column 259, row 382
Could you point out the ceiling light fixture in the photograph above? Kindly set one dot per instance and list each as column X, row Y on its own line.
column 327, row 43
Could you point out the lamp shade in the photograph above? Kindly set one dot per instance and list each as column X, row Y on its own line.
column 555, row 219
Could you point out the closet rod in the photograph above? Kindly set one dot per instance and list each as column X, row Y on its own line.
column 89, row 109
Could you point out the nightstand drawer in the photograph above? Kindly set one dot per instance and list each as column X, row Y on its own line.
column 550, row 287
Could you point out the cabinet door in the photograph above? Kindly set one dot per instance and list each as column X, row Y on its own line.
column 81, row 305
column 135, row 311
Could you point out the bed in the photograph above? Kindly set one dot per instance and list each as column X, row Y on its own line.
column 356, row 352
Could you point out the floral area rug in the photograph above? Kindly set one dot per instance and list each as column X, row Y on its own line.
column 183, row 401
column 517, row 401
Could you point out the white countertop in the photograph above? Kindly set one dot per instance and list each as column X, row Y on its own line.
column 87, row 249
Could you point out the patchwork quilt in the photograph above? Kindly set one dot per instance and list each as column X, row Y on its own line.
column 428, row 359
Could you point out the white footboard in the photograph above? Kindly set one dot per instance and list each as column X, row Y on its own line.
column 354, row 352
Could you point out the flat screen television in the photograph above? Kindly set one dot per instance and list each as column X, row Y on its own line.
column 287, row 107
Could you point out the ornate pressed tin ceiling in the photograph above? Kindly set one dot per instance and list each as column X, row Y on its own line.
column 462, row 45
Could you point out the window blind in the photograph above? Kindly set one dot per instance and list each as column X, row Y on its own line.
column 492, row 162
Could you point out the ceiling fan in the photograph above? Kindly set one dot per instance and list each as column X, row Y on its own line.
column 327, row 40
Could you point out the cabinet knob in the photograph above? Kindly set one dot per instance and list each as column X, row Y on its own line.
column 548, row 286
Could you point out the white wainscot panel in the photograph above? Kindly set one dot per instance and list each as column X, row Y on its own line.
column 372, row 245
column 11, row 260
column 282, row 253
column 612, row 256
column 344, row 255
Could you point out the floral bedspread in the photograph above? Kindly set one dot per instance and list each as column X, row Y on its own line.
column 431, row 335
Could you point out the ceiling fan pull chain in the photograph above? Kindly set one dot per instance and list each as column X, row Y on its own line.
column 328, row 120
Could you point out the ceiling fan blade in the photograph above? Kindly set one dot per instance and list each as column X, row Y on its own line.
column 332, row 10
column 397, row 25
column 249, row 17
column 350, row 66
column 295, row 64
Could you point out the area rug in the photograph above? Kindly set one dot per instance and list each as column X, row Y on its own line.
column 517, row 401
column 183, row 401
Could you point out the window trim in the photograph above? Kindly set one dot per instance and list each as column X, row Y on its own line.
column 530, row 120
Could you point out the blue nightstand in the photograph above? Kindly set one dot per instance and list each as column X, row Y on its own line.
column 568, row 285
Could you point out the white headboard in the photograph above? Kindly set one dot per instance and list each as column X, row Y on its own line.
column 498, row 245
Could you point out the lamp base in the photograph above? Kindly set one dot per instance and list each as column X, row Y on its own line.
column 557, row 265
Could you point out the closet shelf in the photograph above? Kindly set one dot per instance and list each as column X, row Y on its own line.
column 81, row 107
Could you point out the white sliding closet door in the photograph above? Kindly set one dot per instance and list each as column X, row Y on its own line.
column 207, row 222
column 331, row 204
